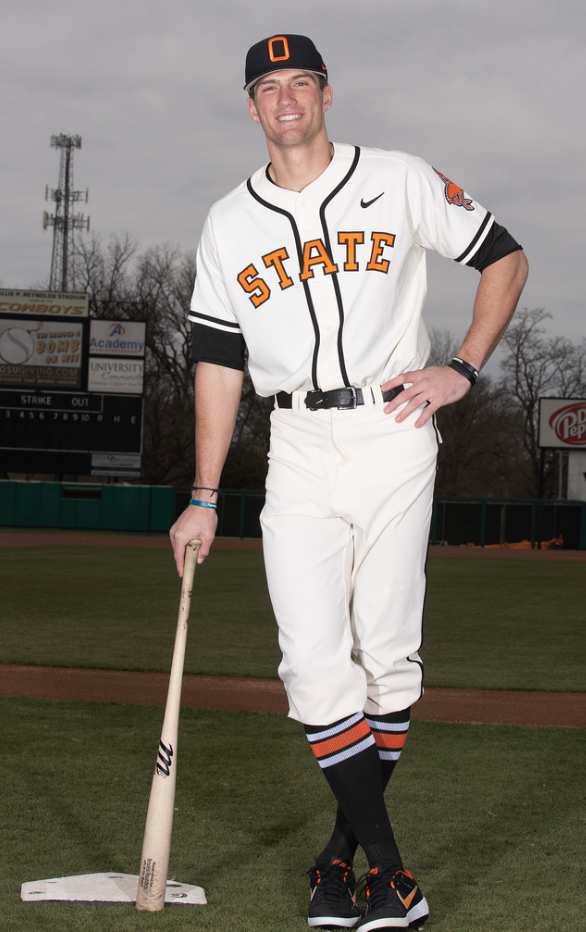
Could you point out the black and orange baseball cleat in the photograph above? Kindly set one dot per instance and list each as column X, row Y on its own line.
column 393, row 900
column 333, row 895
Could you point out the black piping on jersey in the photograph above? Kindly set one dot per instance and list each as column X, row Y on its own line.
column 214, row 320
column 291, row 219
column 480, row 234
column 328, row 245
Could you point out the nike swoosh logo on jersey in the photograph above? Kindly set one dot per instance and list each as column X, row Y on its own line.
column 364, row 203
column 407, row 903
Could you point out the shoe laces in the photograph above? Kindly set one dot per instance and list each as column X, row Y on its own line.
column 376, row 883
column 334, row 876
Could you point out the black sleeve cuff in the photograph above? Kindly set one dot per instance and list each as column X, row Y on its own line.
column 217, row 347
column 498, row 244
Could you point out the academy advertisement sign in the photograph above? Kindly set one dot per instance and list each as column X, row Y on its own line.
column 562, row 423
column 117, row 338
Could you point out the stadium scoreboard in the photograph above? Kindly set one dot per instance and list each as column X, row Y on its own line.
column 71, row 387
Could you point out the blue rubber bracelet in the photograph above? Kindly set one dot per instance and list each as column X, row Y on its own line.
column 196, row 501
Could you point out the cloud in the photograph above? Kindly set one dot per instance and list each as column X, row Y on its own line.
column 491, row 94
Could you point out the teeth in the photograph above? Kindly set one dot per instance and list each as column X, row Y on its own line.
column 288, row 117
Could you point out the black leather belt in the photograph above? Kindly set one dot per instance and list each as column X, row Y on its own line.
column 336, row 398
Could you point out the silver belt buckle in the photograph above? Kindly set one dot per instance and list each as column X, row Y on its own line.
column 353, row 402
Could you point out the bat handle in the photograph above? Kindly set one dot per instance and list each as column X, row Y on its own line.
column 191, row 554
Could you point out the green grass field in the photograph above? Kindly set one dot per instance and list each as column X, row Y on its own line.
column 494, row 624
column 490, row 819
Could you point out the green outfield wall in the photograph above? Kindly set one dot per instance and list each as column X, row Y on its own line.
column 116, row 507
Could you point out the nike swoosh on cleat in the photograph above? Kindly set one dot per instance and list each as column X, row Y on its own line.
column 364, row 203
column 407, row 903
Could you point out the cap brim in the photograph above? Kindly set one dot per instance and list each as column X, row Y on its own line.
column 250, row 84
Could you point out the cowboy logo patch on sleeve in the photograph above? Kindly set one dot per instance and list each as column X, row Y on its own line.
column 454, row 194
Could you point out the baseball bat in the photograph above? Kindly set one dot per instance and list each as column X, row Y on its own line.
column 152, row 879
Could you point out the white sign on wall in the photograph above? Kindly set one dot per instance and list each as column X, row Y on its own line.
column 577, row 475
column 123, row 376
column 562, row 423
column 117, row 337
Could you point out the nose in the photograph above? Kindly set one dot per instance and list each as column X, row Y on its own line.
column 286, row 96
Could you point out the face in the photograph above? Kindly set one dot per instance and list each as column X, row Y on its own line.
column 290, row 107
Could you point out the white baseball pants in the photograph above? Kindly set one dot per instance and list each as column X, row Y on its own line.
column 345, row 531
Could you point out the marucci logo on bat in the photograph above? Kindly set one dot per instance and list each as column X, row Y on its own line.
column 454, row 194
column 164, row 761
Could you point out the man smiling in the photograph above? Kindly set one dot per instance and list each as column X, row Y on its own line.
column 316, row 268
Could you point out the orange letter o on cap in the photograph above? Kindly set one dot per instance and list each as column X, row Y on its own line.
column 272, row 55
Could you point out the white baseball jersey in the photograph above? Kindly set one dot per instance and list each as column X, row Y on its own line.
column 327, row 285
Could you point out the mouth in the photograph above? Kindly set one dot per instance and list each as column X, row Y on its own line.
column 289, row 117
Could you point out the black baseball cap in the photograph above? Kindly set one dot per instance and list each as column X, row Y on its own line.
column 280, row 53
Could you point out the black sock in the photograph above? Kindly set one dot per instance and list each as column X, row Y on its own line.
column 389, row 740
column 348, row 752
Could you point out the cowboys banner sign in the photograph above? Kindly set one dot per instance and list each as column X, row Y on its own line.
column 562, row 423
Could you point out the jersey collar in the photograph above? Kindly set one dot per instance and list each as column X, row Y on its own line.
column 317, row 191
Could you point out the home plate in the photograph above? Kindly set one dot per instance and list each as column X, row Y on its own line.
column 105, row 888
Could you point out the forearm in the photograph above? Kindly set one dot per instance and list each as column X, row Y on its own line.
column 217, row 397
column 497, row 296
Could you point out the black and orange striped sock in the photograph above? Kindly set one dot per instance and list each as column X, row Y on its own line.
column 389, row 732
column 348, row 754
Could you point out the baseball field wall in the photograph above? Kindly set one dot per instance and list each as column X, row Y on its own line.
column 116, row 507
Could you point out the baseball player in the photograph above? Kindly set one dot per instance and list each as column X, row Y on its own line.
column 315, row 268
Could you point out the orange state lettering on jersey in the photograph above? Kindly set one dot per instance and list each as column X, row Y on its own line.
column 454, row 194
column 254, row 286
column 320, row 257
column 315, row 253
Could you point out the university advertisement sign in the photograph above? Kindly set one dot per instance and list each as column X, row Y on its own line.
column 115, row 375
column 45, row 303
column 40, row 353
column 562, row 423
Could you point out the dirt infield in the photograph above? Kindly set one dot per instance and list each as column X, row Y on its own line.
column 233, row 694
column 236, row 694
column 18, row 537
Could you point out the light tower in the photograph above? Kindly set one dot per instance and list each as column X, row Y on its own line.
column 64, row 221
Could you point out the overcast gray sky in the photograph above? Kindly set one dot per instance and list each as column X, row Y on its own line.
column 490, row 93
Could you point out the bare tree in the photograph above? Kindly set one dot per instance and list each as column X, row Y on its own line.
column 536, row 366
column 156, row 286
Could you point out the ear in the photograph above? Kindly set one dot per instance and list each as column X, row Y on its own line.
column 252, row 110
column 327, row 97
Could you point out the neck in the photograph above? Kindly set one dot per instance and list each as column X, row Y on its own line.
column 296, row 167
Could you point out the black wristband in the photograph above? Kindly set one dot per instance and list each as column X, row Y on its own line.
column 203, row 488
column 464, row 368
